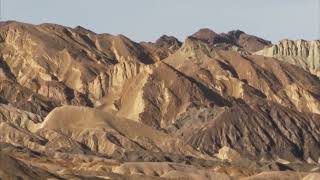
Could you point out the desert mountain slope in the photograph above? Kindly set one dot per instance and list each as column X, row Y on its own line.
column 260, row 130
column 155, row 96
column 66, row 65
column 75, row 104
column 248, row 77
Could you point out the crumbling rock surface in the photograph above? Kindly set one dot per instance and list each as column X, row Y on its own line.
column 305, row 54
column 261, row 130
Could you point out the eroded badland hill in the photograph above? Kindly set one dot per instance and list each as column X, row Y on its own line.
column 79, row 105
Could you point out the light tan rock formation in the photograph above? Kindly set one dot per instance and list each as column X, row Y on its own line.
column 229, row 154
column 305, row 54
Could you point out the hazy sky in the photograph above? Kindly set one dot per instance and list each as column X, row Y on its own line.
column 146, row 20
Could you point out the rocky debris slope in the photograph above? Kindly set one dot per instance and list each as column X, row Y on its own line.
column 261, row 130
column 305, row 54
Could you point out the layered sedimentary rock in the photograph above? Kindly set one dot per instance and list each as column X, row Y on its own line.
column 305, row 54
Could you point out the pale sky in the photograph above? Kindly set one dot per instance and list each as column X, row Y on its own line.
column 146, row 20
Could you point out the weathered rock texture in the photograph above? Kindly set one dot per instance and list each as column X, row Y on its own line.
column 238, row 39
column 305, row 54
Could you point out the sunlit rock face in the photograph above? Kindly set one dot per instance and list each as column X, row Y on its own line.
column 305, row 54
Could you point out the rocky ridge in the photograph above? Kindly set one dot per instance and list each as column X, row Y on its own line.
column 232, row 40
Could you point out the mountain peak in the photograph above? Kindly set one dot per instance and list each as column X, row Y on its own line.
column 205, row 34
column 234, row 38
column 236, row 33
column 205, row 31
column 83, row 30
column 167, row 41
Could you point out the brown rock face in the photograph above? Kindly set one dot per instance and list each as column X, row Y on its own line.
column 163, row 47
column 261, row 130
column 248, row 77
column 11, row 168
column 233, row 38
column 75, row 104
